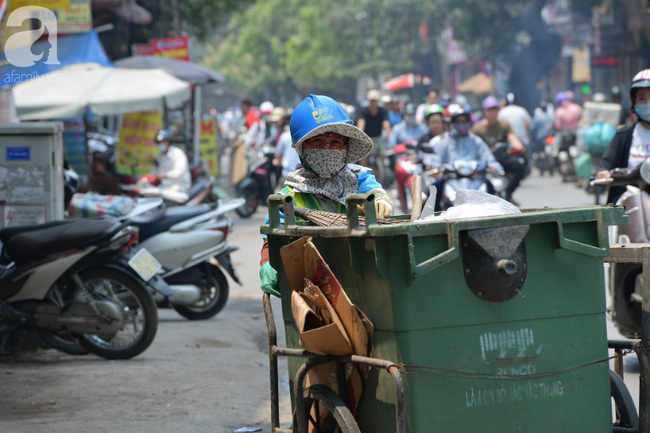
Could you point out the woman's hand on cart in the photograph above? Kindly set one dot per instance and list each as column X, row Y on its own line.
column 269, row 277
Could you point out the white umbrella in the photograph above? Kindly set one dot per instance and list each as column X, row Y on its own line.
column 67, row 92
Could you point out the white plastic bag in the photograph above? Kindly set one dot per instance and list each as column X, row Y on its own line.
column 470, row 204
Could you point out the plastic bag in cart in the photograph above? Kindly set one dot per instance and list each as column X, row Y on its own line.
column 469, row 204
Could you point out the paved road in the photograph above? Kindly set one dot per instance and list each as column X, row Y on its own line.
column 207, row 376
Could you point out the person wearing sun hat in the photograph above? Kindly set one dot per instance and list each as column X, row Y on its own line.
column 328, row 145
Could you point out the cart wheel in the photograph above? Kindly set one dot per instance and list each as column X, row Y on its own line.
column 326, row 412
column 626, row 411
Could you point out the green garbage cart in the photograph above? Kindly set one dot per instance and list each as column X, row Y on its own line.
column 490, row 324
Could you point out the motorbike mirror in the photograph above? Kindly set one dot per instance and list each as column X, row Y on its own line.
column 645, row 171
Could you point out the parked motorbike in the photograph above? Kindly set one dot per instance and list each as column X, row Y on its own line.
column 259, row 183
column 625, row 279
column 187, row 240
column 81, row 285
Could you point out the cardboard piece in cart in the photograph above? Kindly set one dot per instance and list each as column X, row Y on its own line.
column 320, row 328
column 302, row 261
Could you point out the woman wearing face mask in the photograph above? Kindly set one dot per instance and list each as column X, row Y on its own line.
column 328, row 146
column 408, row 129
column 460, row 144
column 631, row 144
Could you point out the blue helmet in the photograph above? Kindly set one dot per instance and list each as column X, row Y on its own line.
column 318, row 114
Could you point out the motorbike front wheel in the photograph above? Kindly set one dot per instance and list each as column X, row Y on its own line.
column 213, row 299
column 140, row 316
column 248, row 209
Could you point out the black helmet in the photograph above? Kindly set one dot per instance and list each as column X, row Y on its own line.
column 163, row 135
column 409, row 109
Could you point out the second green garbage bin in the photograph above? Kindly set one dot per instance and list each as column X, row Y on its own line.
column 492, row 318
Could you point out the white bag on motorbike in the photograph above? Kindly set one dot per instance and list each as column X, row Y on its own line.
column 471, row 204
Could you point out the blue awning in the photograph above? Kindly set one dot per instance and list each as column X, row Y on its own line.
column 78, row 48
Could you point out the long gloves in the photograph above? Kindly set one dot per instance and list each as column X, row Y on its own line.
column 269, row 277
column 383, row 204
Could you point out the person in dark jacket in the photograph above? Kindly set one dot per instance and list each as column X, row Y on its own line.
column 631, row 144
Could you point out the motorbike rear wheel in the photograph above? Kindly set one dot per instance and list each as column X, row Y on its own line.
column 136, row 304
column 248, row 209
column 213, row 300
column 63, row 342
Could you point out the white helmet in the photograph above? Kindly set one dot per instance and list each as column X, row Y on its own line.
column 267, row 107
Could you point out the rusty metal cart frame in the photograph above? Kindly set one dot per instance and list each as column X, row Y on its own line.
column 312, row 361
column 636, row 253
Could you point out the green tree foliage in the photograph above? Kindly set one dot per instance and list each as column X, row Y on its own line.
column 325, row 46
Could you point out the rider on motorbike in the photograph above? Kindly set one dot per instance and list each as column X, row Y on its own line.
column 494, row 131
column 631, row 144
column 460, row 144
column 170, row 177
column 407, row 129
column 328, row 145
column 433, row 115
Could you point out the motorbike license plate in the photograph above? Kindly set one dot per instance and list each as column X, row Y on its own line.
column 145, row 264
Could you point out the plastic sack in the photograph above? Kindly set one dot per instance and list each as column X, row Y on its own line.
column 598, row 137
column 471, row 204
column 584, row 165
column 89, row 205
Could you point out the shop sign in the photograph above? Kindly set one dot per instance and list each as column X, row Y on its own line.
column 208, row 146
column 177, row 47
column 49, row 4
column 581, row 70
column 604, row 61
column 137, row 149
column 75, row 19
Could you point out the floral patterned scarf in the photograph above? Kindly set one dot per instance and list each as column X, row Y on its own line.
column 337, row 187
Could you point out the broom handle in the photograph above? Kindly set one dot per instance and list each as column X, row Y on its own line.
column 417, row 198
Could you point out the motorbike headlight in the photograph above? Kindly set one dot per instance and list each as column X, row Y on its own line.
column 645, row 171
column 450, row 193
column 465, row 168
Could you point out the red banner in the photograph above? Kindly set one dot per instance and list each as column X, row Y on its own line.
column 177, row 47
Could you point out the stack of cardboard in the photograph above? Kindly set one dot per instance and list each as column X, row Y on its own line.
column 327, row 321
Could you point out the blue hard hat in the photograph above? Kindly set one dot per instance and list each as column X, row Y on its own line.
column 318, row 114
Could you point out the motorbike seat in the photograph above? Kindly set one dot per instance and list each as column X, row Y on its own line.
column 163, row 219
column 36, row 244
column 198, row 187
column 8, row 233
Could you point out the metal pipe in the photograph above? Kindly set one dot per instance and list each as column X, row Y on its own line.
column 400, row 417
column 644, row 370
column 618, row 363
column 273, row 361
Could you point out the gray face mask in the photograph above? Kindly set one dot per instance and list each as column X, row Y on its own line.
column 410, row 120
column 162, row 148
